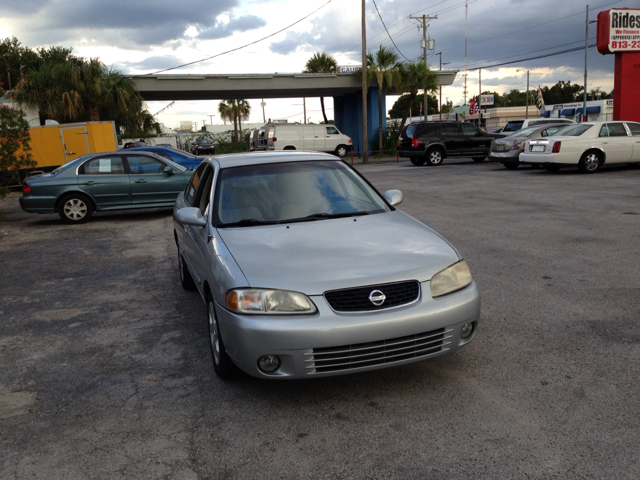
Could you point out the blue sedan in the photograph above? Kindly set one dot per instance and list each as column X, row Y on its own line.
column 185, row 159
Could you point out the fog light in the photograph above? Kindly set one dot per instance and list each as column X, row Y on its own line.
column 268, row 363
column 466, row 330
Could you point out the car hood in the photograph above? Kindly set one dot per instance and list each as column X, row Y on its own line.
column 312, row 257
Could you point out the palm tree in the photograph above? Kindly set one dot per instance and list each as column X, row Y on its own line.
column 234, row 110
column 383, row 67
column 321, row 63
column 415, row 76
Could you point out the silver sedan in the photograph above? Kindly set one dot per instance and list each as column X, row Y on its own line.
column 507, row 150
column 307, row 271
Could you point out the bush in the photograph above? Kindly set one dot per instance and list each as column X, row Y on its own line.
column 389, row 140
column 14, row 147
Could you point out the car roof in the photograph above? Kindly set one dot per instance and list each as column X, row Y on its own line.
column 254, row 158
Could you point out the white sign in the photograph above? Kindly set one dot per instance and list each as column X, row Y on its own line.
column 624, row 30
column 185, row 125
column 486, row 99
column 349, row 68
column 104, row 165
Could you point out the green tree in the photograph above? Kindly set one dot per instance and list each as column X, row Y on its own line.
column 402, row 103
column 383, row 67
column 415, row 76
column 562, row 92
column 321, row 63
column 14, row 146
column 234, row 110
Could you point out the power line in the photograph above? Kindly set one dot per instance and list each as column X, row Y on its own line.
column 385, row 27
column 239, row 48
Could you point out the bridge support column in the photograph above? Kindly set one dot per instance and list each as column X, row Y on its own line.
column 347, row 115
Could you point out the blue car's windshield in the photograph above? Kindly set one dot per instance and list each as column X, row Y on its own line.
column 292, row 192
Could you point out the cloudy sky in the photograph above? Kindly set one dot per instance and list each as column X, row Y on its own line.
column 140, row 36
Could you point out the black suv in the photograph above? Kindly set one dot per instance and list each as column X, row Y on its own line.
column 202, row 145
column 431, row 142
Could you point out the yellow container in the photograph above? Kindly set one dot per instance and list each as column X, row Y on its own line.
column 55, row 145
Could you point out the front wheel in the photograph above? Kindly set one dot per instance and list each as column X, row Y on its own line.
column 590, row 162
column 417, row 160
column 341, row 151
column 222, row 365
column 434, row 156
column 75, row 208
column 186, row 280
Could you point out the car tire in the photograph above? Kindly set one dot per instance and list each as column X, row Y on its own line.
column 222, row 365
column 435, row 156
column 186, row 280
column 552, row 168
column 479, row 159
column 75, row 208
column 417, row 160
column 511, row 165
column 341, row 151
column 590, row 162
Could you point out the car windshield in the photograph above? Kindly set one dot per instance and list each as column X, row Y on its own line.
column 513, row 126
column 572, row 131
column 202, row 140
column 292, row 192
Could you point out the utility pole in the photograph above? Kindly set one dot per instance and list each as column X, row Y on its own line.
column 211, row 118
column 424, row 45
column 365, row 158
column 263, row 104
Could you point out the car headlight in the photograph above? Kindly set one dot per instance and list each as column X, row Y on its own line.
column 269, row 302
column 450, row 279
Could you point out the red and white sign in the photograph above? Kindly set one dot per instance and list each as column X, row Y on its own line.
column 619, row 30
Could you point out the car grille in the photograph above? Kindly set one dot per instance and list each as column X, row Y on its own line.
column 347, row 357
column 357, row 299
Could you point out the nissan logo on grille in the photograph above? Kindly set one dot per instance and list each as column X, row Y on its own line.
column 377, row 297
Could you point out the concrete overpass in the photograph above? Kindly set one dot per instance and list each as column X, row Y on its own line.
column 344, row 88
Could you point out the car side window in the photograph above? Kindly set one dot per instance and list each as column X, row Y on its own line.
column 107, row 165
column 163, row 155
column 332, row 131
column 143, row 165
column 204, row 193
column 194, row 183
column 634, row 128
column 604, row 131
column 450, row 129
column 468, row 129
column 617, row 130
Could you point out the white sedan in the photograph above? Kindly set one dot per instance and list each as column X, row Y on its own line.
column 588, row 145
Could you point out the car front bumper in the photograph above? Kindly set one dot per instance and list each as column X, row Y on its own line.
column 328, row 343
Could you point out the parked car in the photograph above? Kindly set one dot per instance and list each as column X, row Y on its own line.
column 135, row 144
column 185, row 159
column 318, row 138
column 588, row 145
column 515, row 125
column 432, row 142
column 105, row 181
column 273, row 243
column 202, row 145
column 507, row 150
column 258, row 139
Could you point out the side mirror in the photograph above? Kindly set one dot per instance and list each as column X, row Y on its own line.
column 190, row 216
column 394, row 197
column 168, row 170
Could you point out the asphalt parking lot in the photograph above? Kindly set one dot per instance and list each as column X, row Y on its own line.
column 106, row 371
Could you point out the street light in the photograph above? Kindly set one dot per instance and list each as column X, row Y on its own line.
column 526, row 111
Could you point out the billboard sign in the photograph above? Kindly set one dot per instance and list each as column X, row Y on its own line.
column 185, row 125
column 349, row 68
column 486, row 99
column 618, row 30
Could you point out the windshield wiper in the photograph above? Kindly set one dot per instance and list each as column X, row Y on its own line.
column 325, row 216
column 248, row 222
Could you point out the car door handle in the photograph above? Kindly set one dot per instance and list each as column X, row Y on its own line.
column 89, row 183
column 141, row 181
